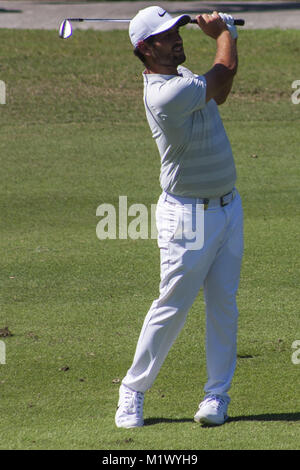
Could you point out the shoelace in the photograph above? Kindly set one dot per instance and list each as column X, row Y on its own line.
column 216, row 401
column 134, row 401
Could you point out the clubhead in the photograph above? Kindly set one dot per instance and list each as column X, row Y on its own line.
column 65, row 30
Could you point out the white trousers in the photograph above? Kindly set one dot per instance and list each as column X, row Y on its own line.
column 185, row 268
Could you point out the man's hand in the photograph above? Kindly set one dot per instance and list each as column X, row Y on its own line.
column 212, row 25
column 229, row 20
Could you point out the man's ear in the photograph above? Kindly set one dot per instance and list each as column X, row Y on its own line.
column 144, row 48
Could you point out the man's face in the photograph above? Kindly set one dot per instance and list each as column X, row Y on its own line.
column 167, row 48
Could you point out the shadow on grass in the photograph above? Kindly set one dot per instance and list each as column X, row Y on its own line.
column 152, row 421
column 291, row 417
column 267, row 417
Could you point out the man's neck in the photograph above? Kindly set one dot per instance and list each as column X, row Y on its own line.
column 161, row 70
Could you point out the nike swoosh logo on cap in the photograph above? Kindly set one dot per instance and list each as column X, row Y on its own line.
column 162, row 14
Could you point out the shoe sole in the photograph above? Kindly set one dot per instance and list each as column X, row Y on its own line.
column 209, row 422
column 129, row 426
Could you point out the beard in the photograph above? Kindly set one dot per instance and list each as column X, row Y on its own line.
column 178, row 57
column 171, row 59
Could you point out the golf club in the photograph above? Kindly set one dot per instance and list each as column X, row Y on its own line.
column 65, row 29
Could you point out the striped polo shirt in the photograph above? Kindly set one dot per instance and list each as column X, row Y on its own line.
column 196, row 155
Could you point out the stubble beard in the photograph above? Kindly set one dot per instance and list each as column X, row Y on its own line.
column 178, row 55
column 173, row 59
column 179, row 58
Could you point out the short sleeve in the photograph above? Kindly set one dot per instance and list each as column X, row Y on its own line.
column 181, row 96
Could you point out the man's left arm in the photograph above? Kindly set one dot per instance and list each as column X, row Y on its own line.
column 224, row 92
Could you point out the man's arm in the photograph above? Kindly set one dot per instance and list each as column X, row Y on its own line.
column 224, row 92
column 220, row 77
column 221, row 97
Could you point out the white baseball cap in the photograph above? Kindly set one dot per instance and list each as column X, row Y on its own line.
column 151, row 21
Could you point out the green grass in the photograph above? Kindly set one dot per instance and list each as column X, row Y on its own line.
column 73, row 135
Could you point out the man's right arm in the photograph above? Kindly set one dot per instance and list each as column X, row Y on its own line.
column 219, row 78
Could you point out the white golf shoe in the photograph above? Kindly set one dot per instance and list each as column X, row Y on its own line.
column 130, row 408
column 212, row 410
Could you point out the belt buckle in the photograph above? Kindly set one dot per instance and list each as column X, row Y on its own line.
column 226, row 199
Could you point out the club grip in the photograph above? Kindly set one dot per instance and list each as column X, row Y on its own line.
column 75, row 19
column 237, row 22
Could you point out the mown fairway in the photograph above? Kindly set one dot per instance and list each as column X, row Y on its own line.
column 73, row 135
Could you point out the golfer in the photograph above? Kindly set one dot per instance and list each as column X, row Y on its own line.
column 199, row 213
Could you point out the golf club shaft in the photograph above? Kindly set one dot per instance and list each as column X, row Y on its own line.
column 109, row 20
column 237, row 22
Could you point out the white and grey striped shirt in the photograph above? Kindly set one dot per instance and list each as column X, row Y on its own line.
column 196, row 156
